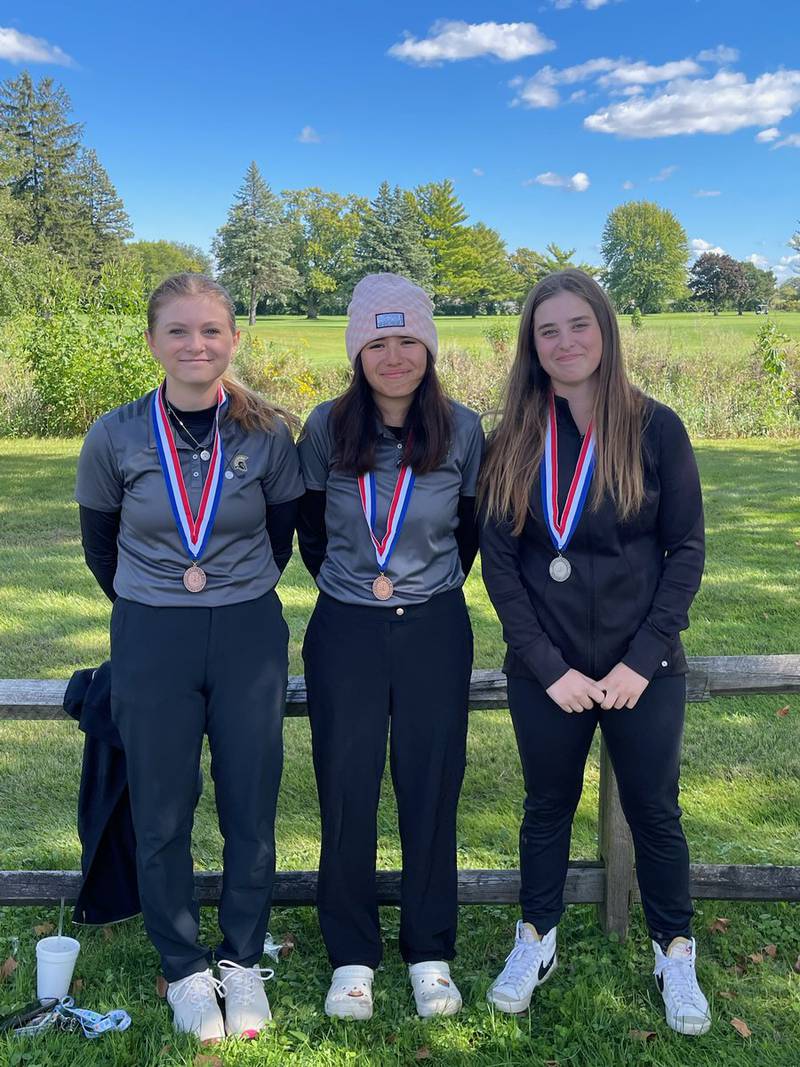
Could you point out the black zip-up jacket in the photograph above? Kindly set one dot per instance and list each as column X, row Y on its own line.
column 632, row 583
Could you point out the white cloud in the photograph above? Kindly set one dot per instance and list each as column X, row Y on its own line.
column 765, row 136
column 578, row 183
column 628, row 184
column 449, row 40
column 699, row 246
column 664, row 174
column 708, row 192
column 721, row 54
column 758, row 261
column 792, row 141
column 722, row 104
column 641, row 73
column 19, row 47
column 590, row 5
column 308, row 135
column 478, row 172
column 786, row 267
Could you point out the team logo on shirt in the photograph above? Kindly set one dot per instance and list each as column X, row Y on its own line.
column 239, row 463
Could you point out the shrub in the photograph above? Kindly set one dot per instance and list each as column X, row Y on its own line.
column 637, row 319
column 500, row 337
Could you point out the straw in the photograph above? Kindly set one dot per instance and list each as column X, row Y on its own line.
column 61, row 918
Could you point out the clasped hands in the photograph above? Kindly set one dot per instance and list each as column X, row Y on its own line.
column 620, row 688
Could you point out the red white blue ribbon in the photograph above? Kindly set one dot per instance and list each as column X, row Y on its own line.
column 562, row 526
column 397, row 511
column 194, row 530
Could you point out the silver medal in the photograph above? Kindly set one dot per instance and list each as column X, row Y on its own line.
column 560, row 569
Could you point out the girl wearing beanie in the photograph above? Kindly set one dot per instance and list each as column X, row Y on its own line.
column 388, row 531
column 592, row 553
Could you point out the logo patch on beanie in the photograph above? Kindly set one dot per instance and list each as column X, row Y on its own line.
column 389, row 318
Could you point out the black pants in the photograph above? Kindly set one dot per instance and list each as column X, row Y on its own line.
column 365, row 666
column 177, row 673
column 644, row 744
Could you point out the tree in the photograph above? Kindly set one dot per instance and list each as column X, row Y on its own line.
column 489, row 279
column 447, row 239
column 787, row 297
column 391, row 237
column 253, row 246
column 794, row 242
column 102, row 210
column 324, row 228
column 530, row 266
column 758, row 287
column 716, row 280
column 159, row 259
column 42, row 146
column 645, row 252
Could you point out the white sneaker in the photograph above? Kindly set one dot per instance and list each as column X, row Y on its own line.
column 686, row 1007
column 246, row 1004
column 435, row 992
column 350, row 994
column 194, row 1006
column 531, row 962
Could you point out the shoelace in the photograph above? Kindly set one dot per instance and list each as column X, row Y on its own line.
column 200, row 987
column 243, row 981
column 683, row 987
column 523, row 958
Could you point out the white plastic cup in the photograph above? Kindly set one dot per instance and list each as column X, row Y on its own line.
column 55, row 962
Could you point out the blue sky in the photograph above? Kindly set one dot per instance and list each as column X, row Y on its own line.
column 546, row 114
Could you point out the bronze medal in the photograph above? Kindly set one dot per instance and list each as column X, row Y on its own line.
column 194, row 578
column 382, row 587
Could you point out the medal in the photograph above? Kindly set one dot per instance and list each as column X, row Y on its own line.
column 561, row 526
column 196, row 530
column 194, row 578
column 383, row 587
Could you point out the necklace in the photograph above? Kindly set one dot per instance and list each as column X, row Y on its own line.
column 204, row 453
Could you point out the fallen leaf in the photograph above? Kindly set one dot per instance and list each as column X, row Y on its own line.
column 390, row 1039
column 162, row 985
column 108, row 933
column 7, row 968
column 741, row 1027
column 726, row 994
column 77, row 986
column 642, row 1035
column 551, row 1063
column 719, row 926
column 783, row 712
column 288, row 945
column 796, row 967
column 756, row 957
column 202, row 1059
column 771, row 951
column 43, row 929
column 739, row 969
column 423, row 1053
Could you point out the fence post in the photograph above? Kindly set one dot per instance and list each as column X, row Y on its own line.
column 616, row 850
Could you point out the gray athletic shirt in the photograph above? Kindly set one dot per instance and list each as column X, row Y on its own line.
column 425, row 559
column 119, row 470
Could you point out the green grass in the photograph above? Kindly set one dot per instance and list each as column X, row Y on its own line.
column 740, row 794
column 687, row 335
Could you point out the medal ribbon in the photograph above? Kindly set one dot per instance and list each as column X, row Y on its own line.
column 562, row 526
column 397, row 511
column 195, row 531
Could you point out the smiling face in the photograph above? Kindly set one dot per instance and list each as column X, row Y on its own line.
column 568, row 340
column 193, row 341
column 394, row 367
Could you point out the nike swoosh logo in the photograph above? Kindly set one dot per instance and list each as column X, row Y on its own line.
column 660, row 982
column 545, row 969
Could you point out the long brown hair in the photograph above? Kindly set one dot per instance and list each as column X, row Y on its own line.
column 246, row 408
column 516, row 444
column 428, row 425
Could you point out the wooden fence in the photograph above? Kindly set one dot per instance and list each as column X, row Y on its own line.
column 609, row 881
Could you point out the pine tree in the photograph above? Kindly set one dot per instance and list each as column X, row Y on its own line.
column 102, row 209
column 253, row 246
column 447, row 240
column 391, row 237
column 42, row 146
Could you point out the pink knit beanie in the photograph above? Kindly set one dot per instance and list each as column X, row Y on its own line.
column 388, row 305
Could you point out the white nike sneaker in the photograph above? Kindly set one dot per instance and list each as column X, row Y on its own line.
column 530, row 963
column 194, row 1006
column 686, row 1007
column 435, row 992
column 246, row 1005
column 350, row 993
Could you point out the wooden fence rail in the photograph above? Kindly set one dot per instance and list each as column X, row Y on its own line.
column 609, row 882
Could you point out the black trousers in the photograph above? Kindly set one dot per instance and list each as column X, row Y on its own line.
column 644, row 744
column 177, row 673
column 366, row 666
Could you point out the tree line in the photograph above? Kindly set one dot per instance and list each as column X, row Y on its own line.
column 64, row 228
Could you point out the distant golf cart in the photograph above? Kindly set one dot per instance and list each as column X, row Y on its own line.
column 762, row 309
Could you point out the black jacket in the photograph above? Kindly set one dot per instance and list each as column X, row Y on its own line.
column 632, row 583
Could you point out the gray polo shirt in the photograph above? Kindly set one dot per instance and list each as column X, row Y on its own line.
column 119, row 470
column 425, row 559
